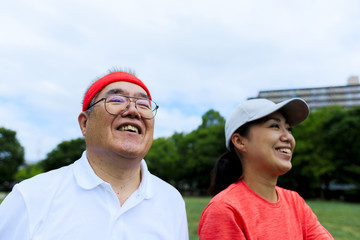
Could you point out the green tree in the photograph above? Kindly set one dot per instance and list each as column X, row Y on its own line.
column 327, row 150
column 202, row 147
column 205, row 144
column 28, row 171
column 64, row 154
column 186, row 160
column 311, row 163
column 11, row 154
column 161, row 159
column 212, row 118
column 342, row 136
column 166, row 159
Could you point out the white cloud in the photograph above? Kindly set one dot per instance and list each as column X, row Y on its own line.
column 169, row 121
column 193, row 55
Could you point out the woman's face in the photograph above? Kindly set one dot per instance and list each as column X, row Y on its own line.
column 269, row 146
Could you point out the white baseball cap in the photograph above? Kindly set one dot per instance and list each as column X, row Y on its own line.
column 295, row 110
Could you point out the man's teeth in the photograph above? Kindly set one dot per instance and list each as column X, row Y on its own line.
column 284, row 150
column 129, row 128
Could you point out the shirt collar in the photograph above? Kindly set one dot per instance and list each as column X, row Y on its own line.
column 87, row 179
column 84, row 174
column 146, row 184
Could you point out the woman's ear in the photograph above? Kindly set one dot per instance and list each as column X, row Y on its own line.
column 239, row 142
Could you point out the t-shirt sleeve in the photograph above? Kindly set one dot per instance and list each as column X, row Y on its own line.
column 220, row 221
column 14, row 220
column 314, row 230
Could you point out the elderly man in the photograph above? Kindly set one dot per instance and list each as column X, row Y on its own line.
column 108, row 193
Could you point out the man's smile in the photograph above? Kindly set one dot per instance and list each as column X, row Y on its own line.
column 129, row 128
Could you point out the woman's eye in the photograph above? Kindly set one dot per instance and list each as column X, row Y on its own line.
column 290, row 129
column 274, row 126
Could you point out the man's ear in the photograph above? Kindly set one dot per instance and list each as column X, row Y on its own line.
column 82, row 119
column 239, row 142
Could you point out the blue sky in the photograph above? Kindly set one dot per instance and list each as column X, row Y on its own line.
column 192, row 55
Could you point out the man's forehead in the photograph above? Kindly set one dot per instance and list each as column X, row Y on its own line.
column 114, row 77
column 124, row 88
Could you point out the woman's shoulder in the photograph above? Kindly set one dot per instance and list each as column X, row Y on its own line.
column 289, row 195
column 233, row 192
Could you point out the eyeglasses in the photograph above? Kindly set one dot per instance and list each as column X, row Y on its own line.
column 118, row 104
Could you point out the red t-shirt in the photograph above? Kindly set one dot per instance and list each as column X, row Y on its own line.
column 239, row 213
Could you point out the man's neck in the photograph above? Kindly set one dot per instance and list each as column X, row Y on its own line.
column 124, row 175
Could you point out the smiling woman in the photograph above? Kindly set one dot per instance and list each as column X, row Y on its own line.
column 248, row 204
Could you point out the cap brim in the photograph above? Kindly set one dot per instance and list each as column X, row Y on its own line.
column 295, row 110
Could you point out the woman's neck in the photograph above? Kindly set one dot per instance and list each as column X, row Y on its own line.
column 264, row 187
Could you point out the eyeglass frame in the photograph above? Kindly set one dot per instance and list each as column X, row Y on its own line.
column 127, row 107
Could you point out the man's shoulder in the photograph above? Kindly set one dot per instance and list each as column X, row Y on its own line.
column 164, row 187
column 45, row 181
column 158, row 186
column 160, row 183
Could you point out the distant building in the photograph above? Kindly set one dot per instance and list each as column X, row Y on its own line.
column 345, row 96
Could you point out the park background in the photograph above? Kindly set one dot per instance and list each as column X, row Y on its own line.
column 326, row 165
column 199, row 59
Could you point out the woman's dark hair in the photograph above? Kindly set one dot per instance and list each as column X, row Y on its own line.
column 228, row 169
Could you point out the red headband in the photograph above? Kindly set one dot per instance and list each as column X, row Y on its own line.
column 110, row 78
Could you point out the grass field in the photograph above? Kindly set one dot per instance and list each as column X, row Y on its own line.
column 342, row 220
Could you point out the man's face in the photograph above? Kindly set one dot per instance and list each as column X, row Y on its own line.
column 113, row 135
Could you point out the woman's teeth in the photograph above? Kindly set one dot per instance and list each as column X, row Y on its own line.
column 284, row 150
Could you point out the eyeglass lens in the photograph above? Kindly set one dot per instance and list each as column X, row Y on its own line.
column 118, row 104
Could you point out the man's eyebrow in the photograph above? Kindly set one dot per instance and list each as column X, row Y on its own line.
column 115, row 91
column 122, row 92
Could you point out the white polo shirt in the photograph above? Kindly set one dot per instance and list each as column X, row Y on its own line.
column 73, row 203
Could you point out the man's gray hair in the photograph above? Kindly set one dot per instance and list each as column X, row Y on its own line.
column 111, row 70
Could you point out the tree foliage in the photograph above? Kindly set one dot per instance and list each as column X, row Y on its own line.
column 327, row 151
column 28, row 171
column 11, row 154
column 64, row 154
column 342, row 135
column 188, row 158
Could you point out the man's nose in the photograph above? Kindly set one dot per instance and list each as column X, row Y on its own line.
column 131, row 110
